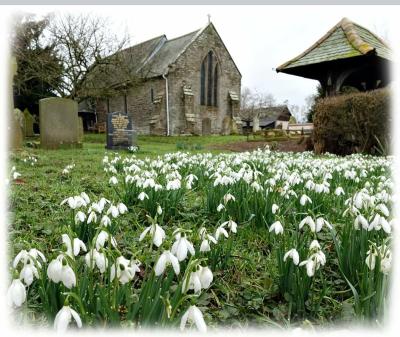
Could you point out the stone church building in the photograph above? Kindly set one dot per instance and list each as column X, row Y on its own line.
column 187, row 85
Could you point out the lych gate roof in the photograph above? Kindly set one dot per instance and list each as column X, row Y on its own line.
column 345, row 40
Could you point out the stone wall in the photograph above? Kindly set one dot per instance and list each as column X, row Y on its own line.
column 186, row 113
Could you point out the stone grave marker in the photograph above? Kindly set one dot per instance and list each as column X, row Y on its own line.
column 28, row 124
column 14, row 131
column 120, row 134
column 58, row 118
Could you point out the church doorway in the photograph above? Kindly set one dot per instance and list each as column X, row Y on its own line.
column 206, row 126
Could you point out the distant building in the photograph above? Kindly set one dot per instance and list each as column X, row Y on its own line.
column 268, row 118
column 187, row 85
column 347, row 55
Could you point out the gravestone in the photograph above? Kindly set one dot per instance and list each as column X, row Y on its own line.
column 58, row 119
column 14, row 130
column 28, row 124
column 80, row 129
column 120, row 134
column 206, row 126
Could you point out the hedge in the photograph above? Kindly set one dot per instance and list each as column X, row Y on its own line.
column 352, row 123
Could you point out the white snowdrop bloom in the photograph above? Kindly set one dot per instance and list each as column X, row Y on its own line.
column 86, row 198
column 321, row 188
column 92, row 217
column 314, row 245
column 304, row 200
column 150, row 182
column 256, row 186
column 220, row 207
column 293, row 254
column 228, row 197
column 386, row 263
column 64, row 318
column 275, row 208
column 59, row 271
column 80, row 217
column 143, row 196
column 156, row 232
column 181, row 247
column 113, row 180
column 308, row 221
column 232, row 225
column 339, row 191
column 94, row 258
column 29, row 272
column 105, row 221
column 102, row 238
column 384, row 210
column 276, row 227
column 199, row 279
column 159, row 210
column 173, row 184
column 124, row 269
column 221, row 230
column 16, row 293
column 113, row 210
column 371, row 259
column 31, row 257
column 360, row 219
column 122, row 209
column 165, row 259
column 309, row 185
column 193, row 315
column 319, row 222
column 311, row 266
column 73, row 247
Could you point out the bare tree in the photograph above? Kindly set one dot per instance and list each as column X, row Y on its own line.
column 90, row 54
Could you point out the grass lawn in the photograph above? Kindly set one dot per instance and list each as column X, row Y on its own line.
column 249, row 285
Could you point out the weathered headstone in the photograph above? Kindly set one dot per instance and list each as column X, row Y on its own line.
column 14, row 130
column 80, row 129
column 28, row 124
column 226, row 125
column 58, row 118
column 120, row 134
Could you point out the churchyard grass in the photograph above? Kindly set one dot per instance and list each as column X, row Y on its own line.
column 292, row 238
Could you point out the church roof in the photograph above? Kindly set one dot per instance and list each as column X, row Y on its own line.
column 345, row 40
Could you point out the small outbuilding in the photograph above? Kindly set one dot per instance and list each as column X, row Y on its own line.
column 347, row 55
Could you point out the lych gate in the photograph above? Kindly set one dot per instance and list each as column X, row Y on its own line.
column 348, row 55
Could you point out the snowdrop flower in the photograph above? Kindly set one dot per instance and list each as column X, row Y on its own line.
column 232, row 225
column 105, row 221
column 28, row 273
column 32, row 256
column 73, row 247
column 360, row 219
column 315, row 245
column 384, row 210
column 386, row 263
column 304, row 200
column 309, row 221
column 181, row 247
column 124, row 270
column 228, row 197
column 221, row 230
column 294, row 255
column 371, row 259
column 113, row 210
column 277, row 227
column 122, row 209
column 159, row 210
column 165, row 259
column 143, row 196
column 59, row 271
column 199, row 279
column 80, row 217
column 319, row 222
column 339, row 191
column 275, row 208
column 193, row 315
column 93, row 257
column 16, row 293
column 64, row 318
column 173, row 184
column 74, row 202
column 102, row 238
column 86, row 198
column 156, row 232
column 92, row 217
column 113, row 181
column 220, row 207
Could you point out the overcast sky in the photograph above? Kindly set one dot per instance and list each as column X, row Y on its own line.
column 259, row 38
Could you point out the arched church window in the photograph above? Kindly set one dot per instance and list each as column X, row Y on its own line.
column 209, row 80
